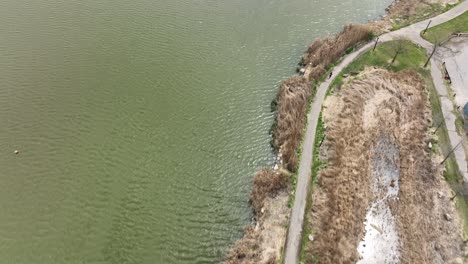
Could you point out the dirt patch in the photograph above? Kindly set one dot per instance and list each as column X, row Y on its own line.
column 263, row 242
column 381, row 179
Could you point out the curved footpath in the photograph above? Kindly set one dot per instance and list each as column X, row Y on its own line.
column 411, row 32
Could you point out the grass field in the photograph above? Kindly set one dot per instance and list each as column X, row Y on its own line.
column 411, row 57
column 442, row 31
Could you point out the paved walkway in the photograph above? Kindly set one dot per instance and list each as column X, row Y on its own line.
column 455, row 54
column 293, row 242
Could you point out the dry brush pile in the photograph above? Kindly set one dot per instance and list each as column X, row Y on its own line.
column 375, row 103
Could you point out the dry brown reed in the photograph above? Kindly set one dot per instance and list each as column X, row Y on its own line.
column 323, row 52
column 395, row 104
column 267, row 183
column 292, row 100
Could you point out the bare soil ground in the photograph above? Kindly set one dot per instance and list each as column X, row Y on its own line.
column 263, row 242
column 380, row 104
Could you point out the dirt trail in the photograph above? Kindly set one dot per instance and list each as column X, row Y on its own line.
column 378, row 158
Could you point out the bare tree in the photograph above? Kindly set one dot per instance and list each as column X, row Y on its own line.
column 398, row 48
column 437, row 39
column 375, row 45
column 424, row 32
column 432, row 53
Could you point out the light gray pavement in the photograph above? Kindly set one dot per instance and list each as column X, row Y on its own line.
column 455, row 56
column 293, row 241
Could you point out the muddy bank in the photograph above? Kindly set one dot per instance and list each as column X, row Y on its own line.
column 381, row 198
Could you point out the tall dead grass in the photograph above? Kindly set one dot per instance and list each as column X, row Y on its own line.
column 405, row 12
column 376, row 103
column 267, row 183
column 292, row 102
column 323, row 52
column 406, row 8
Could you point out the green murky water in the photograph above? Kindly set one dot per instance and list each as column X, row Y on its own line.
column 140, row 123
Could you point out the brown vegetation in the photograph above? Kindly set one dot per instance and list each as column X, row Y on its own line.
column 246, row 250
column 267, row 183
column 376, row 103
column 404, row 12
column 262, row 243
column 408, row 8
column 323, row 52
column 292, row 102
column 291, row 105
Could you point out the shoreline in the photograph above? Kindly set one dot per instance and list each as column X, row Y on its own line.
column 284, row 164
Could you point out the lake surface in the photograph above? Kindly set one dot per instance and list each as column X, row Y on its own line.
column 140, row 123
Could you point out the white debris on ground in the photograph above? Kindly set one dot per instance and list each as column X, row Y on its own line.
column 381, row 240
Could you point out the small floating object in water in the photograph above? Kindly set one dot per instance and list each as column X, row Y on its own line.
column 16, row 152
